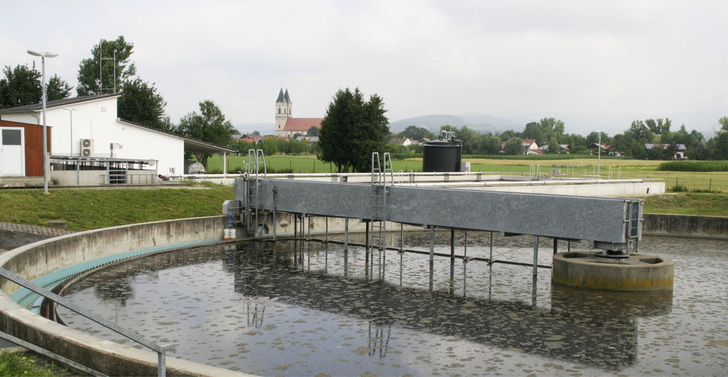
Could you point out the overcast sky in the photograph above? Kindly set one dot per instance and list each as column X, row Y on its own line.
column 593, row 64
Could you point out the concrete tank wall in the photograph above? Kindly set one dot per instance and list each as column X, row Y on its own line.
column 685, row 226
column 40, row 258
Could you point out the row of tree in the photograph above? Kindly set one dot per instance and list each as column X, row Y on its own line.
column 632, row 142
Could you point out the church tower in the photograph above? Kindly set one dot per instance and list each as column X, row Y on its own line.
column 283, row 111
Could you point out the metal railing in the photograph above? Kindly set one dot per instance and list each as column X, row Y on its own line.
column 160, row 350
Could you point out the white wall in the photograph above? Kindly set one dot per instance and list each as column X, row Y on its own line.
column 138, row 142
column 97, row 120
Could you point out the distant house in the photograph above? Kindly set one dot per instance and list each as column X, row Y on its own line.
column 606, row 149
column 310, row 139
column 401, row 141
column 547, row 147
column 677, row 150
column 253, row 139
column 530, row 146
column 286, row 125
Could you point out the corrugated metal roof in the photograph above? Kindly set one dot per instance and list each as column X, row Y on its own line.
column 56, row 103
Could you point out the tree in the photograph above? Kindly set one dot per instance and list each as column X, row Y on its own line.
column 140, row 103
column 533, row 131
column 109, row 70
column 417, row 133
column 544, row 130
column 209, row 125
column 554, row 145
column 269, row 146
column 490, row 144
column 22, row 86
column 108, row 67
column 470, row 140
column 313, row 131
column 352, row 129
column 718, row 145
column 57, row 88
column 513, row 146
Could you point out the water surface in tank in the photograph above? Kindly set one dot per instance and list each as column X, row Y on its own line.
column 307, row 308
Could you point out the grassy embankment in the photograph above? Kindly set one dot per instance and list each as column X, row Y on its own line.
column 93, row 208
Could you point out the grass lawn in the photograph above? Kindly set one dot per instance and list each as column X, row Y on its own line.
column 99, row 208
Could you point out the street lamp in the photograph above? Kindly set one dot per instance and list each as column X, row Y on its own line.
column 599, row 155
column 44, row 55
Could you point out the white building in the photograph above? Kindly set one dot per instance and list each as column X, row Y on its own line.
column 86, row 129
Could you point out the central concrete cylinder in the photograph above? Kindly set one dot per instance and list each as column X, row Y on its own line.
column 639, row 272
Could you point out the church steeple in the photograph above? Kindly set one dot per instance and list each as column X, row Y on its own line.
column 284, row 108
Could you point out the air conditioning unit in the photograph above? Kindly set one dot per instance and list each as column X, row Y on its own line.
column 87, row 147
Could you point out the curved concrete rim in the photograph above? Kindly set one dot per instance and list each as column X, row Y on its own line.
column 39, row 258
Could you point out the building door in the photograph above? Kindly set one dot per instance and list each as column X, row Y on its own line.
column 12, row 152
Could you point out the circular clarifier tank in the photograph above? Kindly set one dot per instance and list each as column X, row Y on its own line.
column 639, row 272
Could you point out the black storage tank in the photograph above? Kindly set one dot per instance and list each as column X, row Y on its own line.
column 442, row 155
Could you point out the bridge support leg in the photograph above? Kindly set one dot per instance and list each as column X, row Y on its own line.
column 401, row 237
column 452, row 261
column 432, row 254
column 465, row 249
column 535, row 256
column 346, row 233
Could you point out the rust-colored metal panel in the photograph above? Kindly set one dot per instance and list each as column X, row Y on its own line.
column 33, row 135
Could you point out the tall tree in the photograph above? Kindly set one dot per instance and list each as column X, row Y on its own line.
column 417, row 133
column 140, row 103
column 313, row 131
column 209, row 125
column 513, row 146
column 352, row 129
column 108, row 67
column 57, row 88
column 110, row 70
column 22, row 86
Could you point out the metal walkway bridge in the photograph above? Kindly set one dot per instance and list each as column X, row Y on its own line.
column 611, row 224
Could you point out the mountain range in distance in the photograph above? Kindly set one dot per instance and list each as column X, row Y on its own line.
column 478, row 122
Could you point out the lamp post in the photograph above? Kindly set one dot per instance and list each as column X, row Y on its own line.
column 43, row 56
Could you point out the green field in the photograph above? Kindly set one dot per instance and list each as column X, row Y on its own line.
column 579, row 166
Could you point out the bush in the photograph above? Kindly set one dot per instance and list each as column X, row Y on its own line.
column 699, row 166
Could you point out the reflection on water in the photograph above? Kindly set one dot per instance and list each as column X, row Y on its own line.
column 304, row 308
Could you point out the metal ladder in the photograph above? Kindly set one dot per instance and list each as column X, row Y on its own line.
column 255, row 157
column 379, row 183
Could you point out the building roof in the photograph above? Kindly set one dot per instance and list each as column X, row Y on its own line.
column 56, row 103
column 190, row 144
column 302, row 124
column 674, row 146
column 528, row 142
column 283, row 97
